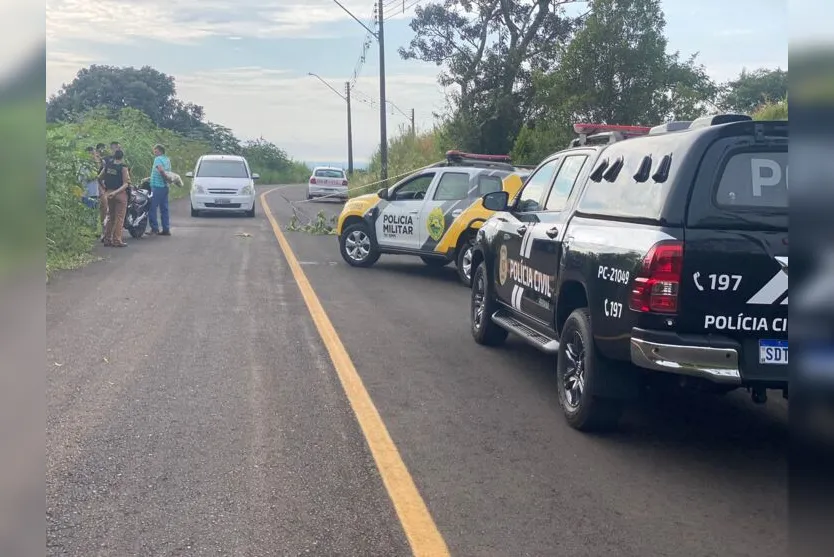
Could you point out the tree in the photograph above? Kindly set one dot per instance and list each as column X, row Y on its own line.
column 615, row 71
column 488, row 49
column 752, row 89
column 145, row 89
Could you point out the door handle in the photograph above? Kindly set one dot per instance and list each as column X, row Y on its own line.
column 552, row 233
column 521, row 229
column 413, row 212
column 457, row 212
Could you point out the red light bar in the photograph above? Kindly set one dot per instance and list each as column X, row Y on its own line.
column 588, row 129
column 476, row 157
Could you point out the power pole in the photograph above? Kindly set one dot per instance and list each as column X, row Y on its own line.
column 383, row 128
column 413, row 129
column 350, row 130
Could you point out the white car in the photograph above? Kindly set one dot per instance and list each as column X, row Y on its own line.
column 222, row 183
column 328, row 181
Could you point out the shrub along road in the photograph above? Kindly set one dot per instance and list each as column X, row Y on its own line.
column 193, row 409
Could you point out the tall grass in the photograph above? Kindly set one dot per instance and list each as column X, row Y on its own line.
column 71, row 227
column 777, row 110
column 406, row 153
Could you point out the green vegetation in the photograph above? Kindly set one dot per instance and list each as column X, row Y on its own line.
column 772, row 110
column 137, row 108
column 406, row 153
column 523, row 71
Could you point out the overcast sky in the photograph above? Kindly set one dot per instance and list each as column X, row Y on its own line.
column 246, row 61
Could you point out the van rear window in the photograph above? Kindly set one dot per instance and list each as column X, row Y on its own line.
column 754, row 181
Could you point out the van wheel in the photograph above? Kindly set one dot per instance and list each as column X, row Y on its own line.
column 251, row 212
column 578, row 367
column 194, row 212
column 357, row 247
column 464, row 261
column 434, row 262
column 483, row 305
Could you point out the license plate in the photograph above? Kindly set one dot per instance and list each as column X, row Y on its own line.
column 222, row 201
column 773, row 352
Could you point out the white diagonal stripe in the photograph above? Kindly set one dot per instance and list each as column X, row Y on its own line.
column 775, row 287
column 524, row 242
column 528, row 247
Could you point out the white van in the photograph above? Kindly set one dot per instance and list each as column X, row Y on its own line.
column 222, row 183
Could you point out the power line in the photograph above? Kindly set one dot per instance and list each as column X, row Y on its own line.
column 405, row 6
column 366, row 44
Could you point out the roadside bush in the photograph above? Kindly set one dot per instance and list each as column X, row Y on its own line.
column 71, row 227
column 772, row 111
column 406, row 153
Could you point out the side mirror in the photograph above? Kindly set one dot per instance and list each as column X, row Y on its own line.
column 189, row 174
column 496, row 201
column 383, row 193
column 256, row 176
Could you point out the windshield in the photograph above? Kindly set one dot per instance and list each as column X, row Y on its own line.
column 222, row 169
column 326, row 173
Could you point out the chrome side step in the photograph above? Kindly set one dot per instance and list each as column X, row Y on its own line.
column 506, row 321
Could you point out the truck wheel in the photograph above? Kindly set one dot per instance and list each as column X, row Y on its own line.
column 434, row 262
column 357, row 247
column 578, row 367
column 464, row 261
column 484, row 331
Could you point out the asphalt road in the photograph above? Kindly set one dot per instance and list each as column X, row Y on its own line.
column 193, row 409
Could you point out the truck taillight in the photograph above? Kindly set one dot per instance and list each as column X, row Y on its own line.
column 658, row 282
column 344, row 182
column 312, row 180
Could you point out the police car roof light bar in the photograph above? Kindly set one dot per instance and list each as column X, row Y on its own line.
column 458, row 155
column 588, row 129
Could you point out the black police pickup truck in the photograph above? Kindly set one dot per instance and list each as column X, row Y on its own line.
column 642, row 252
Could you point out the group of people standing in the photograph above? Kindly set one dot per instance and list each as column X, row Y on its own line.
column 110, row 190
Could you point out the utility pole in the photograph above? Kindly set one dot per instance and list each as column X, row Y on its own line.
column 383, row 127
column 413, row 129
column 345, row 98
column 350, row 131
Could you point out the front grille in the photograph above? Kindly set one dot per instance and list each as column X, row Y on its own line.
column 223, row 191
column 224, row 205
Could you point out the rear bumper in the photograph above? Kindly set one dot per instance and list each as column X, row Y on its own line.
column 329, row 191
column 716, row 359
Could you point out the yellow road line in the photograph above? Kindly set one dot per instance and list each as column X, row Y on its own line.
column 419, row 527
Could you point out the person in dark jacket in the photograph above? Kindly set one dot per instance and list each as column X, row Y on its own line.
column 116, row 179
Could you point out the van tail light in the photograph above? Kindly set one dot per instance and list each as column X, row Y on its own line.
column 312, row 180
column 657, row 284
column 344, row 182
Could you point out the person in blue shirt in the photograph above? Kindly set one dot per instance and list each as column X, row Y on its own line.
column 159, row 187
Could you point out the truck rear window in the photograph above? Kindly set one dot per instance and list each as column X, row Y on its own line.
column 754, row 181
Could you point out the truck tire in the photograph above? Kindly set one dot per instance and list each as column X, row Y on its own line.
column 358, row 247
column 483, row 305
column 578, row 367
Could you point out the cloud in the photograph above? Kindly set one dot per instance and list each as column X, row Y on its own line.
column 304, row 117
column 188, row 21
column 62, row 67
column 735, row 32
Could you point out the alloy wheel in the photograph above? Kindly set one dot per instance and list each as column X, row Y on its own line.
column 574, row 376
